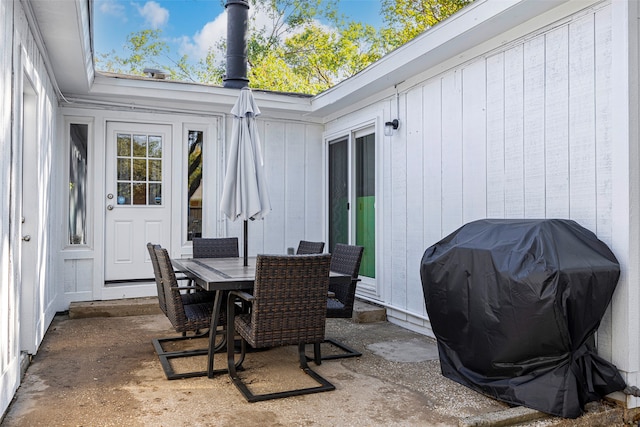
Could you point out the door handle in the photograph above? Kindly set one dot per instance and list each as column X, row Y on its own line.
column 26, row 238
column 109, row 207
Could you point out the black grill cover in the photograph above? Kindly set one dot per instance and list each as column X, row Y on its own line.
column 514, row 305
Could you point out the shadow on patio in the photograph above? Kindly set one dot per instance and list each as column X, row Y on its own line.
column 103, row 371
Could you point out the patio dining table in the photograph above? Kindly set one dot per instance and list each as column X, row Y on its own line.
column 223, row 275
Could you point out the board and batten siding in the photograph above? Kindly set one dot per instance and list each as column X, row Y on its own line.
column 520, row 132
column 26, row 307
column 9, row 332
column 294, row 167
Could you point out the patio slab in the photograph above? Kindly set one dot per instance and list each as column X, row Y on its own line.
column 103, row 371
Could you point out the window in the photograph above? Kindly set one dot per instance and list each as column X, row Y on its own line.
column 194, row 183
column 78, row 184
column 139, row 173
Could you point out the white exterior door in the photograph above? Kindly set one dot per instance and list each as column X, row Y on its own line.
column 28, row 216
column 138, row 198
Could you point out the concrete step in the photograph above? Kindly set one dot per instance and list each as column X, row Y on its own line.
column 114, row 308
column 362, row 312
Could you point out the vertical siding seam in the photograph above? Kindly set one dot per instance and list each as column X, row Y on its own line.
column 544, row 124
column 406, row 194
column 568, row 112
column 304, row 193
column 522, row 138
column 462, row 145
column 594, row 147
column 441, row 151
column 504, row 134
column 486, row 140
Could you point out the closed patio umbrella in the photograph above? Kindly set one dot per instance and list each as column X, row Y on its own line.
column 245, row 194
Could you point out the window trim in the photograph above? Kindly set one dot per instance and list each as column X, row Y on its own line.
column 90, row 196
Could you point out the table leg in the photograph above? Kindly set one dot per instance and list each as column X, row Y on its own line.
column 213, row 331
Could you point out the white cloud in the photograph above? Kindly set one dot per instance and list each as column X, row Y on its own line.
column 209, row 36
column 113, row 8
column 154, row 15
column 197, row 46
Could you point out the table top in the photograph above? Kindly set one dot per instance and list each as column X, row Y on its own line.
column 228, row 273
column 218, row 273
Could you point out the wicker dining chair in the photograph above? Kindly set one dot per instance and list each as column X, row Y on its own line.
column 184, row 317
column 187, row 298
column 288, row 307
column 306, row 247
column 345, row 259
column 215, row 247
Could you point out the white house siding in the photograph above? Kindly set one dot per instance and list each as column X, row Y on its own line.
column 26, row 308
column 524, row 130
column 9, row 332
column 293, row 158
column 294, row 167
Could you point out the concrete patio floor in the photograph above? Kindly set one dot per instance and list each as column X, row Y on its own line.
column 103, row 371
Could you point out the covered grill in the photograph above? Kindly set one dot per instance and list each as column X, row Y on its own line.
column 514, row 305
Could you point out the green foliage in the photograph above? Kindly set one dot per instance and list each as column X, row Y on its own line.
column 295, row 52
column 405, row 19
column 144, row 49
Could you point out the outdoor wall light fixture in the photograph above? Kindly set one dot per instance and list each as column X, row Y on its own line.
column 389, row 127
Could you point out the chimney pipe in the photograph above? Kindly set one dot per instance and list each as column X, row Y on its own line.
column 237, row 17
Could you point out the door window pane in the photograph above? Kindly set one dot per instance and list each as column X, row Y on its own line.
column 124, row 144
column 155, row 170
column 139, row 194
column 124, row 169
column 338, row 193
column 140, row 145
column 365, row 203
column 155, row 194
column 124, row 193
column 78, row 184
column 139, row 169
column 195, row 187
column 155, row 146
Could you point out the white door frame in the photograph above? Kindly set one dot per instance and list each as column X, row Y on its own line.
column 368, row 287
column 146, row 288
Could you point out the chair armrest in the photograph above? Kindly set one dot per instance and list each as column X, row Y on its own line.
column 241, row 295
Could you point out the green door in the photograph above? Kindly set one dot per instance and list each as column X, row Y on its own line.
column 366, row 202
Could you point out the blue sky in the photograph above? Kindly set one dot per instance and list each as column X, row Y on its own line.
column 188, row 26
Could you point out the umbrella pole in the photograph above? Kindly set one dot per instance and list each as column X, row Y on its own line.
column 246, row 239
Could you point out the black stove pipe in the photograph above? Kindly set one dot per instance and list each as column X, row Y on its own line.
column 237, row 22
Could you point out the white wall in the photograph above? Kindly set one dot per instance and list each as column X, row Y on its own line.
column 26, row 306
column 9, row 351
column 294, row 167
column 519, row 128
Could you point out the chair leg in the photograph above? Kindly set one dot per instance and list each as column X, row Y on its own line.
column 166, row 356
column 325, row 385
column 347, row 351
column 317, row 358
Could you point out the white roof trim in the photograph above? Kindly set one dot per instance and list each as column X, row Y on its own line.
column 469, row 27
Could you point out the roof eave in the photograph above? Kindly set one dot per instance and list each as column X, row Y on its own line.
column 482, row 20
